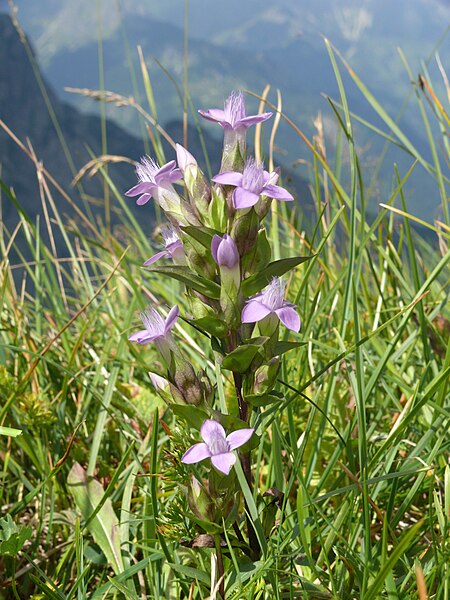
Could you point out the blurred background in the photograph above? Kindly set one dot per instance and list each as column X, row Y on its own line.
column 231, row 45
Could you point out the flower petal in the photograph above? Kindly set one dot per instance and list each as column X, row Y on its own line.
column 243, row 198
column 252, row 120
column 167, row 168
column 141, row 337
column 289, row 317
column 223, row 462
column 141, row 188
column 277, row 192
column 239, row 438
column 213, row 114
column 143, row 199
column 171, row 319
column 156, row 257
column 196, row 453
column 254, row 311
column 228, row 178
column 211, row 431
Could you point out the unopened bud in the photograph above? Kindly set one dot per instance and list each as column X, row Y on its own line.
column 195, row 181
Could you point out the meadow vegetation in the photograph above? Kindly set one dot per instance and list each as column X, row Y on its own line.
column 351, row 475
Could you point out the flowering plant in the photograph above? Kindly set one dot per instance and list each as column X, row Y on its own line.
column 220, row 252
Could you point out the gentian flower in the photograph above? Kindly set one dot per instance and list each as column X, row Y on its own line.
column 156, row 182
column 217, row 446
column 224, row 251
column 271, row 302
column 194, row 180
column 157, row 330
column 234, row 123
column 173, row 248
column 251, row 184
column 233, row 115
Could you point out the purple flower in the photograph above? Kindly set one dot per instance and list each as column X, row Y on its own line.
column 217, row 446
column 233, row 116
column 224, row 251
column 271, row 301
column 173, row 248
column 156, row 327
column 251, row 184
column 156, row 181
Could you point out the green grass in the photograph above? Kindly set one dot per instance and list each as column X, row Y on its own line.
column 358, row 447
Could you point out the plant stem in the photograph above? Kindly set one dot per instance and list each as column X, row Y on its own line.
column 246, row 466
column 220, row 569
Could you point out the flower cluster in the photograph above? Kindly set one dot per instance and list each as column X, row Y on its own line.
column 218, row 246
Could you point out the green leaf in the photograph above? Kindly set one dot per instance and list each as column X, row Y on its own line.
column 256, row 282
column 203, row 235
column 10, row 431
column 282, row 347
column 210, row 324
column 240, row 358
column 191, row 280
column 12, row 538
column 192, row 414
column 263, row 399
column 104, row 527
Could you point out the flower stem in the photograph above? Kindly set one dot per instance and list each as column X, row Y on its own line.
column 220, row 569
column 246, row 467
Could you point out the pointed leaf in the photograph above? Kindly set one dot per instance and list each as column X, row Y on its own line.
column 256, row 282
column 185, row 275
column 240, row 358
column 210, row 324
column 203, row 235
column 282, row 347
column 104, row 527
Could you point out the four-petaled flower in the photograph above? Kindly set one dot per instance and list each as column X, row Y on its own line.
column 173, row 248
column 271, row 301
column 155, row 181
column 156, row 328
column 251, row 184
column 233, row 115
column 217, row 446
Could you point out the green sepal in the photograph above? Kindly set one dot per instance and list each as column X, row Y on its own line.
column 255, row 283
column 260, row 256
column 217, row 212
column 203, row 235
column 282, row 347
column 240, row 359
column 208, row 288
column 194, row 416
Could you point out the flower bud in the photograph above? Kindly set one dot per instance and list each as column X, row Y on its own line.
column 193, row 389
column 200, row 501
column 196, row 183
column 225, row 253
column 266, row 376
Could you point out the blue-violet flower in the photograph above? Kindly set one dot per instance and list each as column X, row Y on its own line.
column 233, row 115
column 224, row 251
column 156, row 182
column 251, row 184
column 217, row 446
column 173, row 248
column 271, row 301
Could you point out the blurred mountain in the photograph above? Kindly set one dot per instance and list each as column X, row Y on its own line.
column 26, row 113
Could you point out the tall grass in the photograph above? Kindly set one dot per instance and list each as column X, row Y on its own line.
column 353, row 465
